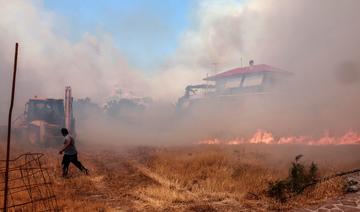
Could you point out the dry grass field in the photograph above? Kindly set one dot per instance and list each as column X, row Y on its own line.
column 192, row 178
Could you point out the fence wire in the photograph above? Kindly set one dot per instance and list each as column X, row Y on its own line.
column 30, row 185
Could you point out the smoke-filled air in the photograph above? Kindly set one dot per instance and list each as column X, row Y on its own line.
column 180, row 105
column 316, row 41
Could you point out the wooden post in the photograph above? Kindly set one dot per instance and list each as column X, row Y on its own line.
column 9, row 130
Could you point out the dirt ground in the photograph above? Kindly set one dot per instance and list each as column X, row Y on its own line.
column 193, row 178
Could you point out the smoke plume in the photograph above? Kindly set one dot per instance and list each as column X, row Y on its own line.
column 316, row 40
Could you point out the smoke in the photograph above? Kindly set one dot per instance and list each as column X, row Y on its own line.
column 49, row 60
column 316, row 40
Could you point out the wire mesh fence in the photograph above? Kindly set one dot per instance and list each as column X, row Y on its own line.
column 29, row 185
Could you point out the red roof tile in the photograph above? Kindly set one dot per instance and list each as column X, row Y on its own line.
column 246, row 70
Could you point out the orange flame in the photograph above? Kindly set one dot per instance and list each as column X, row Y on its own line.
column 211, row 141
column 262, row 137
column 265, row 137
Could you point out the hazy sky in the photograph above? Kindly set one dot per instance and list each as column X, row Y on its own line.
column 145, row 31
column 142, row 48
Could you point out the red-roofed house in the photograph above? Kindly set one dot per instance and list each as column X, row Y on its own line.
column 253, row 78
column 249, row 78
column 261, row 68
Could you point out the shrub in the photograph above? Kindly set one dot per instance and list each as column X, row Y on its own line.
column 299, row 178
column 278, row 190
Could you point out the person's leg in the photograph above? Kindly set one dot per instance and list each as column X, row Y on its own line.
column 78, row 164
column 65, row 165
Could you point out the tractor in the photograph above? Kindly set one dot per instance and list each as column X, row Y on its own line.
column 42, row 120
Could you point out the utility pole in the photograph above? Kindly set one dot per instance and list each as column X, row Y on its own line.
column 9, row 130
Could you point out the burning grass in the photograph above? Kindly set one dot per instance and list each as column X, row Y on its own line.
column 265, row 137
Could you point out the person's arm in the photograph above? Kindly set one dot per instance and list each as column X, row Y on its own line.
column 67, row 143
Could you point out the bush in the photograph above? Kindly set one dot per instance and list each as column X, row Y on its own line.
column 278, row 190
column 299, row 178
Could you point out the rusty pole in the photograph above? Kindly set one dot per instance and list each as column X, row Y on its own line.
column 9, row 129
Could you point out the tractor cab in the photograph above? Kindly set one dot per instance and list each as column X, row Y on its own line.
column 43, row 119
column 48, row 110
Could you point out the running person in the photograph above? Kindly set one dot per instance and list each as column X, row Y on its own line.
column 70, row 154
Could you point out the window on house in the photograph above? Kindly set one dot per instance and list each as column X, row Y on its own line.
column 253, row 80
column 233, row 83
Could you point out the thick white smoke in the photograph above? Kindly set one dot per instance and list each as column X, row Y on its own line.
column 49, row 60
column 316, row 40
